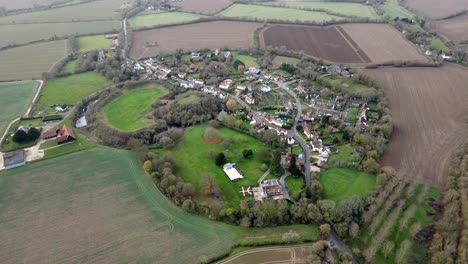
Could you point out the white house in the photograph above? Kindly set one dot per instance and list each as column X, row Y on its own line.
column 232, row 172
column 265, row 88
column 241, row 87
column 226, row 84
column 249, row 99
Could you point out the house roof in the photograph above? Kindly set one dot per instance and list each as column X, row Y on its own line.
column 65, row 133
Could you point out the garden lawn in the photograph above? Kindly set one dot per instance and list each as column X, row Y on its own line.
column 393, row 9
column 276, row 13
column 341, row 183
column 246, row 59
column 93, row 43
column 11, row 145
column 193, row 161
column 352, row 115
column 14, row 100
column 126, row 113
column 279, row 60
column 160, row 19
column 69, row 90
column 344, row 157
column 439, row 45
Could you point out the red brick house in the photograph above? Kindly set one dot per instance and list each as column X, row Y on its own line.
column 62, row 135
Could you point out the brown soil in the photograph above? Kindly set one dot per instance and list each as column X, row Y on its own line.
column 454, row 29
column 321, row 42
column 211, row 35
column 429, row 112
column 207, row 7
column 382, row 43
column 437, row 8
column 212, row 140
column 296, row 254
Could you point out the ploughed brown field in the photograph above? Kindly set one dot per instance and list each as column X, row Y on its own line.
column 348, row 43
column 429, row 109
column 207, row 7
column 211, row 35
column 436, row 8
column 454, row 28
column 296, row 254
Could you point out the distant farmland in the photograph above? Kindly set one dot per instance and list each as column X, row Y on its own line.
column 436, row 8
column 206, row 7
column 97, row 206
column 31, row 61
column 429, row 111
column 22, row 4
column 159, row 19
column 25, row 33
column 454, row 28
column 14, row 99
column 211, row 35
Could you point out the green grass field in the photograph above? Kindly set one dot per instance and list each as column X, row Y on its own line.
column 278, row 60
column 346, row 9
column 439, row 45
column 70, row 67
column 352, row 115
column 9, row 144
column 26, row 33
column 276, row 13
column 393, row 9
column 344, row 157
column 160, row 19
column 93, row 43
column 193, row 161
column 247, row 60
column 31, row 61
column 14, row 100
column 109, row 207
column 70, row 89
column 341, row 183
column 125, row 112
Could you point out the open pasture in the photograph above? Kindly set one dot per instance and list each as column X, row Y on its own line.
column 211, row 35
column 341, row 183
column 162, row 19
column 26, row 33
column 393, row 9
column 455, row 29
column 98, row 206
column 31, row 61
column 382, row 43
column 342, row 8
column 93, row 43
column 269, row 13
column 69, row 89
column 206, row 7
column 325, row 43
column 14, row 100
column 429, row 112
column 24, row 4
column 126, row 113
column 437, row 9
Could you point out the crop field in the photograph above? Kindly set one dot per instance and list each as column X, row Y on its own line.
column 160, row 19
column 382, row 43
column 341, row 183
column 26, row 33
column 454, row 28
column 193, row 160
column 103, row 209
column 31, row 61
column 206, row 7
column 429, row 112
column 126, row 113
column 212, row 35
column 342, row 8
column 267, row 13
column 69, row 90
column 434, row 8
column 326, row 43
column 22, row 4
column 393, row 9
column 93, row 43
column 14, row 100
column 291, row 254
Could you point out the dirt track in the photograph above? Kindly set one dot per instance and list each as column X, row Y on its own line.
column 207, row 7
column 429, row 109
column 454, row 29
column 211, row 35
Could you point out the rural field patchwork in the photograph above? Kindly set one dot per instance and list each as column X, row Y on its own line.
column 31, row 61
column 160, row 19
column 14, row 100
column 207, row 7
column 429, row 112
column 93, row 43
column 341, row 183
column 455, row 29
column 436, row 9
column 22, row 4
column 212, row 35
column 127, row 112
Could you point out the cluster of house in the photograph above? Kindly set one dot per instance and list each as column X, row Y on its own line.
column 62, row 135
column 268, row 190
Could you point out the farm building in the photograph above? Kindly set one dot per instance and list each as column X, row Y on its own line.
column 62, row 135
column 13, row 159
column 269, row 190
column 232, row 172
